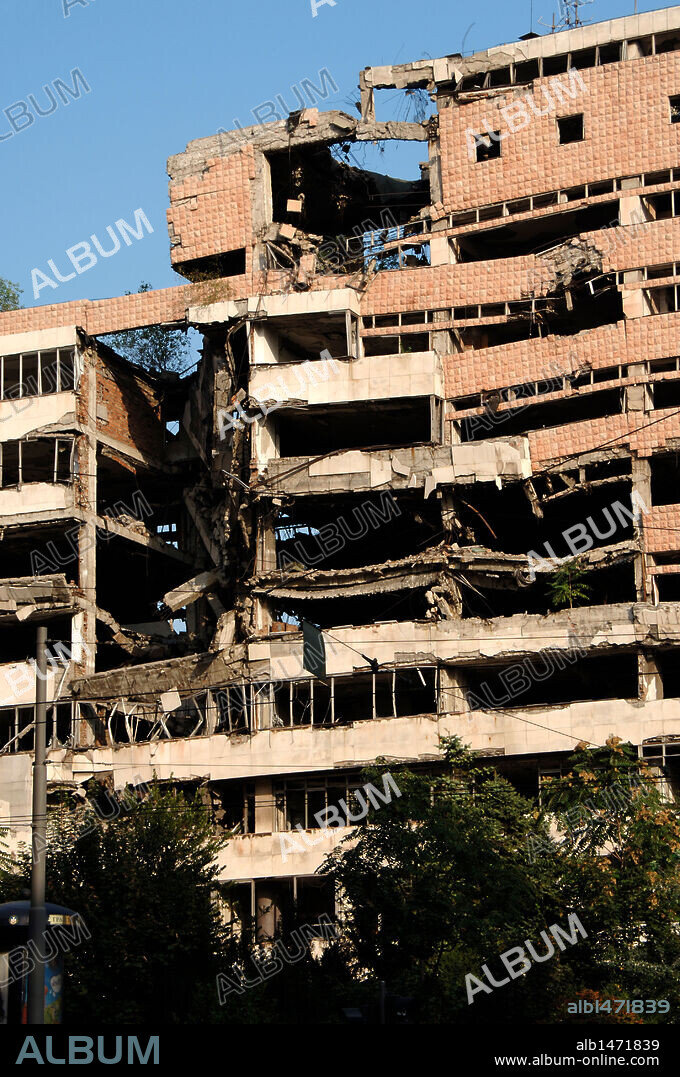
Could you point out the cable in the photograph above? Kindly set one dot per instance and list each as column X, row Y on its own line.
column 293, row 767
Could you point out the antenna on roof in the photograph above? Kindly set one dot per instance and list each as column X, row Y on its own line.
column 569, row 16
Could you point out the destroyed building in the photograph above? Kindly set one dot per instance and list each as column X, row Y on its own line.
column 417, row 399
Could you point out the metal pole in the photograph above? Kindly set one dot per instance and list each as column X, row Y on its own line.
column 37, row 920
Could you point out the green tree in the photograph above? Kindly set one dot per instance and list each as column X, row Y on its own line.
column 461, row 868
column 441, row 881
column 621, row 855
column 145, row 886
column 5, row 858
column 566, row 586
column 153, row 347
column 10, row 295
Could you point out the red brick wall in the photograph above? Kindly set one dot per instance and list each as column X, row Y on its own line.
column 627, row 131
column 133, row 412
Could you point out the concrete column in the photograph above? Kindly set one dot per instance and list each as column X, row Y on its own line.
column 267, row 909
column 265, row 542
column 265, row 809
column 649, row 678
column 451, row 683
column 641, row 484
column 86, row 493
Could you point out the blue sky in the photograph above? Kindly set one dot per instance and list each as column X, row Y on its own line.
column 163, row 72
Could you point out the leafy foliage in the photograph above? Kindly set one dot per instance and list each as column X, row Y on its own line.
column 5, row 858
column 10, row 295
column 441, row 881
column 456, row 870
column 447, row 877
column 144, row 885
column 621, row 844
column 566, row 587
column 153, row 347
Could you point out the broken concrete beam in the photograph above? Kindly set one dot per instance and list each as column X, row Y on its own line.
column 225, row 632
column 189, row 592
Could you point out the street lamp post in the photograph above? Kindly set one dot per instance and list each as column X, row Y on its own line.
column 37, row 922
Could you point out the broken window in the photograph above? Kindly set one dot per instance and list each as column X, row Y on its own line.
column 381, row 344
column 370, row 529
column 527, row 237
column 227, row 264
column 362, row 425
column 30, row 384
column 404, row 257
column 668, row 585
column 538, row 415
column 555, row 65
column 488, row 146
column 398, row 605
column 320, row 194
column 609, row 54
column 411, row 104
column 665, row 468
column 663, row 300
column 500, row 76
column 40, row 460
column 526, row 71
column 134, row 723
column 552, row 678
column 669, row 42
column 49, row 370
column 11, row 377
column 582, row 59
column 361, row 697
column 664, row 754
column 233, row 707
column 66, row 370
column 187, row 720
column 570, row 128
column 233, row 805
column 17, row 724
column 301, row 339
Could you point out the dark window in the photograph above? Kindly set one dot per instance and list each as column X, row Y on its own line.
column 226, row 264
column 37, row 461
column 10, row 463
column 29, row 375
column 11, row 386
column 490, row 147
column 63, row 462
column 48, row 372
column 66, row 372
column 555, row 65
column 571, row 128
column 610, row 54
column 675, row 108
column 526, row 71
